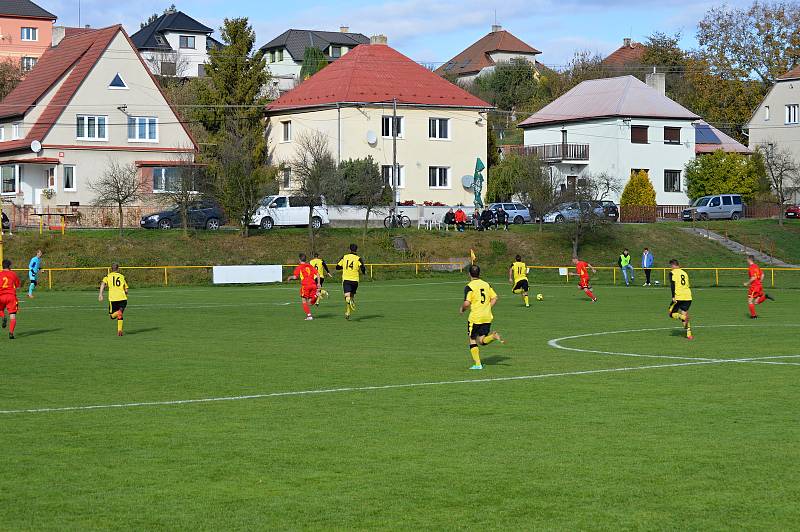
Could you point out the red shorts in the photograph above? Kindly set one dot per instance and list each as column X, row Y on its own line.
column 308, row 292
column 755, row 290
column 10, row 302
column 583, row 283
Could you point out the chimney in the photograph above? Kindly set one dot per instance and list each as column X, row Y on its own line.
column 344, row 29
column 88, row 26
column 378, row 39
column 59, row 32
column 496, row 28
column 626, row 42
column 658, row 82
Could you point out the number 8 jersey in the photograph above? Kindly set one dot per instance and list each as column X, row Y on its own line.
column 479, row 293
column 681, row 290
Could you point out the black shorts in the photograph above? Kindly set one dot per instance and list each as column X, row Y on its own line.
column 350, row 286
column 522, row 284
column 679, row 306
column 321, row 280
column 34, row 282
column 476, row 330
column 114, row 306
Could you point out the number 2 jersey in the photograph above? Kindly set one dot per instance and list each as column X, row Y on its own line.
column 479, row 293
column 9, row 282
column 681, row 289
column 117, row 285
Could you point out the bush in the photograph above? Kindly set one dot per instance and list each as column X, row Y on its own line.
column 725, row 173
column 639, row 191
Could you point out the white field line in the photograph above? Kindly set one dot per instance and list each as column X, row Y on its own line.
column 352, row 389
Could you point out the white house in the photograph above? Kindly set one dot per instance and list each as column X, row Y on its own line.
column 88, row 101
column 440, row 128
column 285, row 52
column 615, row 126
column 175, row 44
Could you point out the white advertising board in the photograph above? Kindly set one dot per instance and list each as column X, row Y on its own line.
column 269, row 273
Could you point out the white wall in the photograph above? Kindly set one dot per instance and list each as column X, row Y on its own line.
column 285, row 72
column 611, row 151
column 188, row 60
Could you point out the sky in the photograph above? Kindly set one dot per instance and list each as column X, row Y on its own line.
column 428, row 31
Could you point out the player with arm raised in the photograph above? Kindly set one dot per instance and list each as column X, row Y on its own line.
column 352, row 268
column 681, row 296
column 755, row 286
column 323, row 270
column 479, row 298
column 518, row 277
column 9, row 304
column 582, row 269
column 309, row 284
column 117, row 295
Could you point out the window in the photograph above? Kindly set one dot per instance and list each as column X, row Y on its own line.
column 117, row 83
column 386, row 173
column 737, row 200
column 766, row 112
column 672, row 135
column 386, row 126
column 672, row 180
column 286, row 173
column 29, row 34
column 186, row 41
column 279, row 55
column 16, row 130
column 201, row 70
column 727, row 200
column 143, row 129
column 287, row 131
column 639, row 134
column 792, row 112
column 167, row 179
column 272, row 56
column 169, row 68
column 27, row 63
column 8, row 177
column 160, row 40
column 336, row 51
column 51, row 178
column 714, row 202
column 69, row 178
column 438, row 177
column 2, row 133
column 91, row 127
column 439, row 128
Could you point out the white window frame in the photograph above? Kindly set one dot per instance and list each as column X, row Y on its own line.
column 187, row 37
column 286, row 127
column 401, row 175
column 85, row 119
column 336, row 46
column 386, row 121
column 74, row 187
column 2, row 132
column 137, row 120
column 34, row 34
column 438, row 121
column 27, row 59
column 16, row 130
column 448, row 177
column 286, row 177
column 16, row 180
column 766, row 113
column 792, row 113
column 279, row 56
column 163, row 179
column 680, row 180
column 123, row 88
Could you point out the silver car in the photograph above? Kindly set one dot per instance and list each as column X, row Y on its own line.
column 571, row 211
column 720, row 206
column 517, row 212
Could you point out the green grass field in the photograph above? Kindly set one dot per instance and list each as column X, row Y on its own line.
column 377, row 423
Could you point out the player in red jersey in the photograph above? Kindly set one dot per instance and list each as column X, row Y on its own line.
column 309, row 284
column 582, row 269
column 755, row 287
column 9, row 283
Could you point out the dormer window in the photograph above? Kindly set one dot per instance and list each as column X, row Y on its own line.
column 117, row 83
column 336, row 51
column 160, row 40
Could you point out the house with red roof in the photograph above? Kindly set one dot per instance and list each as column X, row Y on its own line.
column 630, row 53
column 439, row 128
column 88, row 101
column 482, row 56
column 25, row 32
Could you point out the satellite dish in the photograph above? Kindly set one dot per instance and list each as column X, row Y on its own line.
column 36, row 146
column 372, row 138
column 467, row 181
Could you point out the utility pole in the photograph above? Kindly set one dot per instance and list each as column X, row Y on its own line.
column 395, row 177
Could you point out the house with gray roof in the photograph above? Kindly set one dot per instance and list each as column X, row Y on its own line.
column 285, row 52
column 175, row 44
column 615, row 126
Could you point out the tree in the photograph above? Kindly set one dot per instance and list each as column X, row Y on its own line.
column 724, row 173
column 535, row 187
column 761, row 40
column 492, row 155
column 314, row 168
column 638, row 191
column 152, row 18
column 313, row 61
column 590, row 189
column 363, row 185
column 511, row 84
column 10, row 76
column 501, row 179
column 186, row 184
column 783, row 172
column 119, row 185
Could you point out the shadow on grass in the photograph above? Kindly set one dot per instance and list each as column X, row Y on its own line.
column 35, row 332
column 678, row 332
column 369, row 317
column 142, row 331
column 495, row 360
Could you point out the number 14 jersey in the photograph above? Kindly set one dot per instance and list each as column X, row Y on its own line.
column 479, row 293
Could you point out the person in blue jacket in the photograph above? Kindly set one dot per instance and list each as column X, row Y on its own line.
column 647, row 264
column 33, row 272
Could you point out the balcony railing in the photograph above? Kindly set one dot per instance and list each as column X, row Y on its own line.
column 554, row 152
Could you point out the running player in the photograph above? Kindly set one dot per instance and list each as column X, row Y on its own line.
column 518, row 277
column 117, row 295
column 309, row 284
column 351, row 267
column 681, row 297
column 9, row 282
column 33, row 272
column 755, row 290
column 479, row 298
column 323, row 270
column 582, row 269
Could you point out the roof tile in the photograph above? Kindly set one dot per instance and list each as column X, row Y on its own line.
column 477, row 56
column 24, row 8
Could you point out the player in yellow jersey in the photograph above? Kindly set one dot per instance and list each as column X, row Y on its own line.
column 681, row 296
column 322, row 270
column 117, row 295
column 479, row 298
column 518, row 277
column 352, row 268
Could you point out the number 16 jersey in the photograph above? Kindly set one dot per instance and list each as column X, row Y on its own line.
column 479, row 293
column 116, row 286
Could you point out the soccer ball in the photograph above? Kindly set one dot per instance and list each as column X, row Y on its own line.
column 539, row 297
column 657, row 283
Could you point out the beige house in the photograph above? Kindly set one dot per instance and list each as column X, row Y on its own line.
column 441, row 129
column 88, row 101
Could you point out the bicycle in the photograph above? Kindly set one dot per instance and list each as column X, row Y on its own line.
column 396, row 220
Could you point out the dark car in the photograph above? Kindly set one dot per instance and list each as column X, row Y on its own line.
column 793, row 211
column 611, row 209
column 6, row 222
column 200, row 214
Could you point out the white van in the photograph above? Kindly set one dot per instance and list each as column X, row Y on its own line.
column 288, row 211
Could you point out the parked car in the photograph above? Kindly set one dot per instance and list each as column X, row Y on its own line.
column 288, row 211
column 200, row 214
column 572, row 210
column 610, row 209
column 718, row 206
column 792, row 211
column 517, row 212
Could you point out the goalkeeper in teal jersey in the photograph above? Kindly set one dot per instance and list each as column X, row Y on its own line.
column 33, row 272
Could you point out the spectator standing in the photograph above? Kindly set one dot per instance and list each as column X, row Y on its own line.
column 647, row 265
column 461, row 219
column 626, row 266
column 502, row 218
